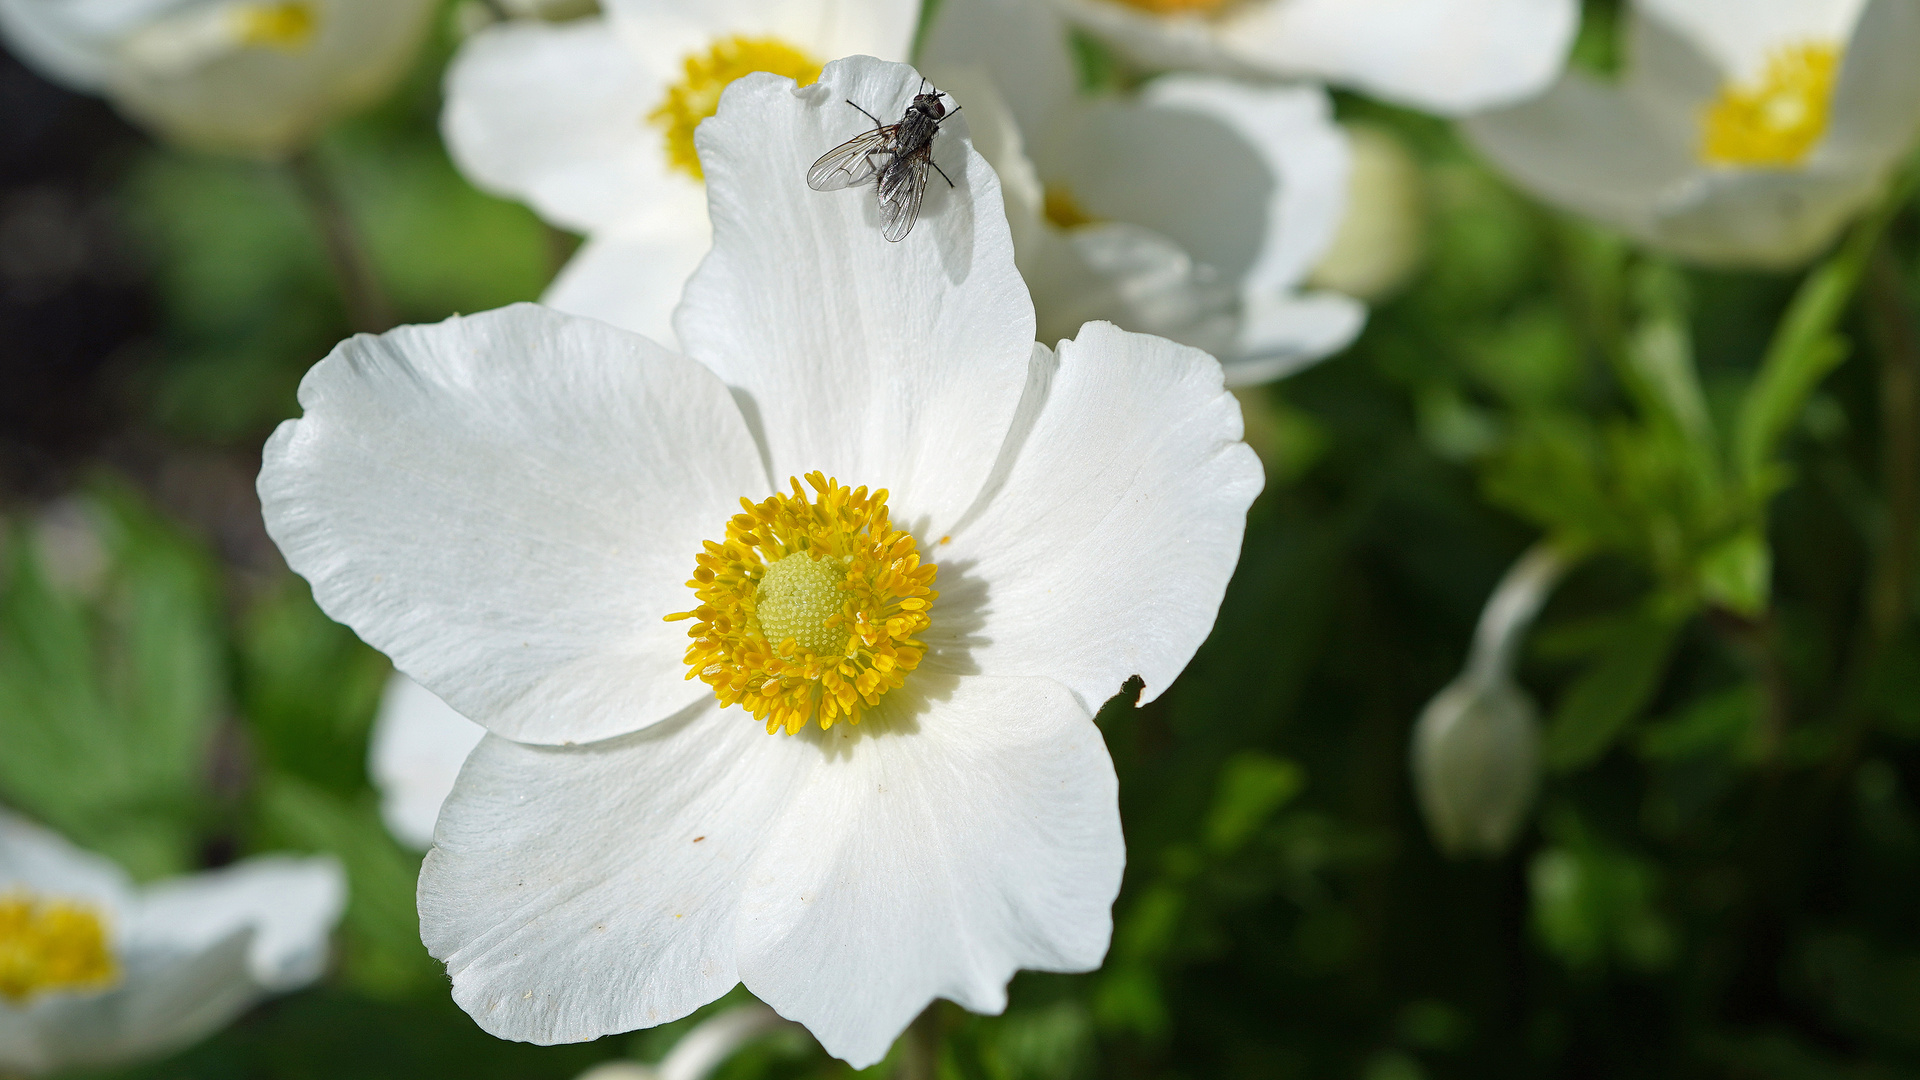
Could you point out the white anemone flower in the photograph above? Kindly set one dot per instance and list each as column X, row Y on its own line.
column 1451, row 57
column 97, row 971
column 1193, row 210
column 417, row 748
column 591, row 123
column 253, row 77
column 910, row 799
column 1741, row 133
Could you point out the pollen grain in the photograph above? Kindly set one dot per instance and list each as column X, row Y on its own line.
column 808, row 610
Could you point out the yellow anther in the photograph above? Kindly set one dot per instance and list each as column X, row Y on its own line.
column 1776, row 120
column 51, row 945
column 697, row 96
column 287, row 26
column 1181, row 7
column 809, row 608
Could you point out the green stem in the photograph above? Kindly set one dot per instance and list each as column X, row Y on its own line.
column 920, row 1057
column 1898, row 343
column 368, row 310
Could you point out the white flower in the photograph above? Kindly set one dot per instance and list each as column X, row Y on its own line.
column 1741, row 133
column 591, row 123
column 1193, row 210
column 252, row 77
column 1476, row 747
column 417, row 748
column 509, row 505
column 96, row 971
column 1450, row 57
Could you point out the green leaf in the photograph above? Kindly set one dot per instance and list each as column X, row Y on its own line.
column 1252, row 786
column 1737, row 574
column 1612, row 691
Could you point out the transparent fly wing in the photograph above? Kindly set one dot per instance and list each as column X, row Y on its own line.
column 854, row 162
column 902, row 186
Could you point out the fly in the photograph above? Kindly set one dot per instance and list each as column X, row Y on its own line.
column 892, row 157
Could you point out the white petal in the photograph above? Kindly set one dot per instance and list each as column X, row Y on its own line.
column 1106, row 550
column 1282, row 334
column 824, row 28
column 417, row 748
column 881, row 364
column 964, row 831
column 579, row 891
column 69, row 43
column 1876, row 105
column 164, row 1001
column 1741, row 34
column 1447, row 56
column 556, row 114
column 508, row 505
column 42, row 862
column 633, row 277
column 290, row 904
column 1020, row 44
column 1585, row 147
column 1759, row 218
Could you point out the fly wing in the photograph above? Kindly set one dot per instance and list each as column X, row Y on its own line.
column 902, row 186
column 852, row 162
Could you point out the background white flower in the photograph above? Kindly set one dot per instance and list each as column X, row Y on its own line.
column 1450, row 57
column 181, row 957
column 1739, row 134
column 508, row 504
column 417, row 748
column 569, row 118
column 1193, row 210
column 252, row 77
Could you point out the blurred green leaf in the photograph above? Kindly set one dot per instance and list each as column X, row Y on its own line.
column 308, row 688
column 1593, row 905
column 1252, row 786
column 1612, row 691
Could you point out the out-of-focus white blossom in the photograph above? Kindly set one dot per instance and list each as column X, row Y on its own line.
column 1476, row 747
column 96, row 971
column 591, row 123
column 418, row 746
column 1192, row 210
column 1450, row 57
column 1382, row 234
column 1741, row 132
column 253, row 77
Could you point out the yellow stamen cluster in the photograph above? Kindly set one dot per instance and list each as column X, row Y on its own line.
column 51, row 945
column 697, row 96
column 809, row 608
column 1062, row 209
column 1181, row 7
column 288, row 26
column 1776, row 120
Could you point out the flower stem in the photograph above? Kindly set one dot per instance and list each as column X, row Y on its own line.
column 368, row 310
column 1898, row 343
column 920, row 1059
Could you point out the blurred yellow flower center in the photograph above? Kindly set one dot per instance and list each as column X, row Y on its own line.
column 697, row 96
column 51, row 945
column 1063, row 209
column 808, row 610
column 1180, row 7
column 1777, row 119
column 288, row 26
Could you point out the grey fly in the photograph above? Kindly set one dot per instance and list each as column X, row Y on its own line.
column 892, row 157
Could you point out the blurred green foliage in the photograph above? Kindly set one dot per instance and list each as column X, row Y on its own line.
column 1723, row 877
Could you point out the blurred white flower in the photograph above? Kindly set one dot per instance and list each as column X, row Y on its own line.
column 510, row 505
column 1192, row 210
column 1741, row 132
column 97, row 971
column 252, row 77
column 1450, row 57
column 1383, row 231
column 700, row 1051
column 591, row 123
column 418, row 746
column 1476, row 747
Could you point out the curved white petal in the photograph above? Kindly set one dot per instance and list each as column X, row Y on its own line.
column 1021, row 45
column 579, row 891
column 164, row 1001
column 290, row 904
column 1106, row 548
column 1876, row 104
column 1280, row 335
column 632, row 277
column 882, row 364
column 508, row 505
column 41, row 861
column 556, row 114
column 826, row 28
column 1740, row 35
column 1760, row 218
column 417, row 748
column 70, row 43
column 967, row 829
